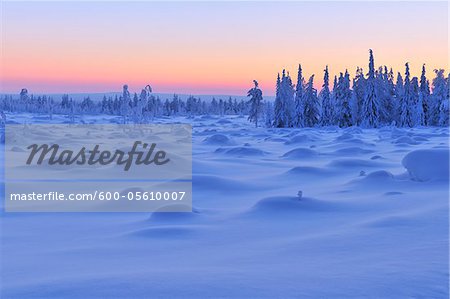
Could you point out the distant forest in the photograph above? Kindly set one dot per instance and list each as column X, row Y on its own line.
column 368, row 100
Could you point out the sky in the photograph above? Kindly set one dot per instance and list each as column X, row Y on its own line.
column 209, row 47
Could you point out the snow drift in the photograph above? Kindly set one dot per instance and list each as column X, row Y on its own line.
column 427, row 164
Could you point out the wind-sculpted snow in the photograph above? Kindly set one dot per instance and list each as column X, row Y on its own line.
column 405, row 140
column 163, row 216
column 302, row 172
column 280, row 213
column 353, row 163
column 428, row 164
column 301, row 153
column 301, row 138
column 380, row 175
column 241, row 151
column 351, row 151
column 281, row 205
column 165, row 232
column 218, row 139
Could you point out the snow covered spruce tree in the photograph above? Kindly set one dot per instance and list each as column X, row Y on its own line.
column 399, row 91
column 359, row 87
column 445, row 106
column 255, row 102
column 278, row 119
column 392, row 105
column 385, row 87
column 371, row 105
column 125, row 103
column 440, row 112
column 343, row 98
column 334, row 93
column 416, row 103
column 406, row 118
column 284, row 102
column 24, row 95
column 142, row 114
column 311, row 104
column 325, row 99
column 425, row 96
column 268, row 114
column 299, row 106
column 287, row 93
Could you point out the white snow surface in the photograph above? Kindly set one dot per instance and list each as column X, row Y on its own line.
column 372, row 222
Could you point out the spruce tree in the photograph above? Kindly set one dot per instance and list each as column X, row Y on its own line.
column 371, row 105
column 255, row 103
column 325, row 99
column 406, row 118
column 288, row 95
column 384, row 88
column 425, row 96
column 399, row 90
column 359, row 87
column 278, row 109
column 391, row 97
column 440, row 98
column 336, row 111
column 268, row 114
column 125, row 103
column 299, row 106
column 312, row 105
column 415, row 103
column 343, row 97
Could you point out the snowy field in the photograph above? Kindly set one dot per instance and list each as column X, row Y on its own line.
column 371, row 222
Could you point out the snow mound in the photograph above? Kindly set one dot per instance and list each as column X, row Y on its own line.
column 241, row 151
column 375, row 180
column 301, row 138
column 223, row 121
column 350, row 139
column 427, row 164
column 164, row 215
column 345, row 137
column 276, row 139
column 205, row 132
column 164, row 232
column 218, row 139
column 285, row 205
column 300, row 153
column 379, row 175
column 391, row 221
column 207, row 117
column 392, row 193
column 353, row 163
column 219, row 184
column 278, row 203
column 376, row 157
column 398, row 132
column 354, row 130
column 421, row 138
column 307, row 170
column 351, row 151
column 405, row 140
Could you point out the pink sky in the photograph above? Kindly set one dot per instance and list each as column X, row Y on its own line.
column 209, row 48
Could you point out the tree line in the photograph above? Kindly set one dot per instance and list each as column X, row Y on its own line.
column 370, row 100
column 135, row 108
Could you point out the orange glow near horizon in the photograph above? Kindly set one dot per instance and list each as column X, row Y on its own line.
column 196, row 48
